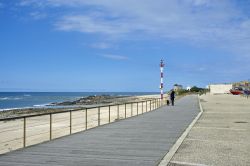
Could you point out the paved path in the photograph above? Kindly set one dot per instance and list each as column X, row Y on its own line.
column 141, row 140
column 220, row 137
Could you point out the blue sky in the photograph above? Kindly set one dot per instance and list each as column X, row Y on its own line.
column 116, row 45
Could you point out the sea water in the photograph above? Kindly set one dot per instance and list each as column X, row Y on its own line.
column 12, row 100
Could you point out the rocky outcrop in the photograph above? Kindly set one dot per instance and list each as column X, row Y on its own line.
column 90, row 100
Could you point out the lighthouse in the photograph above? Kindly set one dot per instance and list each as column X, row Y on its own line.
column 161, row 84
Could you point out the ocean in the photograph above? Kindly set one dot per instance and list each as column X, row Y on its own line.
column 14, row 100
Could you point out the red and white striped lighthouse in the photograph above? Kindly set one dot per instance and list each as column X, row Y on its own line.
column 161, row 85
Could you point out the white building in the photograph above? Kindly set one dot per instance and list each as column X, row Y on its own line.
column 220, row 88
column 188, row 88
column 177, row 87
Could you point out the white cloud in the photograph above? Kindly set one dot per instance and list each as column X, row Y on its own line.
column 202, row 22
column 34, row 3
column 101, row 45
column 114, row 57
column 38, row 15
column 91, row 24
column 201, row 2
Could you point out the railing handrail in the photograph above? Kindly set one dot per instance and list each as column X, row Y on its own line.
column 71, row 110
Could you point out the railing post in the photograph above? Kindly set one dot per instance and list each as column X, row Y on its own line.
column 118, row 112
column 150, row 104
column 50, row 126
column 146, row 106
column 125, row 111
column 24, row 132
column 142, row 107
column 70, row 122
column 131, row 109
column 86, row 119
column 99, row 116
column 137, row 108
column 109, row 113
column 153, row 103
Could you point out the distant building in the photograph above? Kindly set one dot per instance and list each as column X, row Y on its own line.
column 242, row 84
column 188, row 88
column 177, row 87
column 220, row 88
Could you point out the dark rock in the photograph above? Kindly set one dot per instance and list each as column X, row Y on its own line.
column 88, row 100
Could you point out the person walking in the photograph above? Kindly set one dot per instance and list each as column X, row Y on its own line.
column 172, row 96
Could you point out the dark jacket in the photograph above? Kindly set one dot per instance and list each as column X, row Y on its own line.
column 172, row 95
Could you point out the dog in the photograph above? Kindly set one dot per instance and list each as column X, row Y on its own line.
column 168, row 102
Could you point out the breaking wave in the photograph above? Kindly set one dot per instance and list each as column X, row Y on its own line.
column 10, row 98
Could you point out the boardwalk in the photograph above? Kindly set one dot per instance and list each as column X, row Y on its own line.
column 141, row 140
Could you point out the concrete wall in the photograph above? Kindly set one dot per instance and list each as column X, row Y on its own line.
column 220, row 88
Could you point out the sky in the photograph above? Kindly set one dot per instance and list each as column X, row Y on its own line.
column 117, row 45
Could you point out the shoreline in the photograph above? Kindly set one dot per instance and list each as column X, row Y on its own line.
column 26, row 100
column 69, row 105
